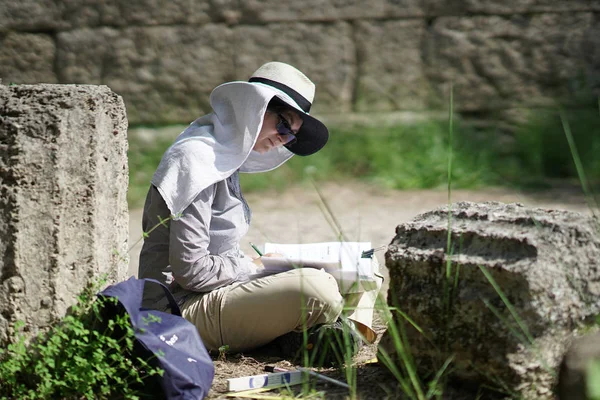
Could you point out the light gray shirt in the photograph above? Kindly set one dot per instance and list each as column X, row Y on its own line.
column 199, row 251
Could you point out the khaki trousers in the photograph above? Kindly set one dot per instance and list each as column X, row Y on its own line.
column 248, row 315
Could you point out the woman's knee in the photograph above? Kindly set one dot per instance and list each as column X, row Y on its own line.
column 318, row 284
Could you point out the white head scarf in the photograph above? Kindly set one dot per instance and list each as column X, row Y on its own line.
column 216, row 145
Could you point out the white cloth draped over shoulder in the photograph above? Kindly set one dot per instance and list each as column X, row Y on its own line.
column 214, row 146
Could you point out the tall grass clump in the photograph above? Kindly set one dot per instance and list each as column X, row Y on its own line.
column 402, row 364
column 545, row 150
column 400, row 361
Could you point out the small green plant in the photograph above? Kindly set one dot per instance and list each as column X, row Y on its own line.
column 85, row 355
column 161, row 222
column 223, row 352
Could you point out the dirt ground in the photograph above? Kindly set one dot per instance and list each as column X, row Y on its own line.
column 364, row 213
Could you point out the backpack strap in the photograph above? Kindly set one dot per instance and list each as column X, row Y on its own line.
column 172, row 303
column 131, row 292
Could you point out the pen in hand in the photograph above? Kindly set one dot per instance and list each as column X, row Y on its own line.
column 256, row 249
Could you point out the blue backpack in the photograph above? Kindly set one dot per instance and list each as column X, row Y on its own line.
column 170, row 342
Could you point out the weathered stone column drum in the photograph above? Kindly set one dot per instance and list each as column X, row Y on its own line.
column 545, row 263
column 63, row 205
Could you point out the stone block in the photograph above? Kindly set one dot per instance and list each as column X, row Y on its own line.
column 63, row 206
column 93, row 13
column 30, row 15
column 261, row 11
column 521, row 60
column 27, row 58
column 545, row 262
column 267, row 11
column 391, row 65
column 466, row 7
column 165, row 74
column 324, row 52
column 59, row 15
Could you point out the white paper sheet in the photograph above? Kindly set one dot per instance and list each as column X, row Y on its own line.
column 341, row 259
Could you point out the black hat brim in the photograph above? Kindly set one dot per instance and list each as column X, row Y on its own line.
column 312, row 136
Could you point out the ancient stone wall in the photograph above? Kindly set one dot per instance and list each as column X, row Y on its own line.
column 63, row 207
column 165, row 56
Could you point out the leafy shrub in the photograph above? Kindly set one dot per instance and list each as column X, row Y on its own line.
column 86, row 355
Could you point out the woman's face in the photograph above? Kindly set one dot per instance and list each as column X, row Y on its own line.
column 268, row 137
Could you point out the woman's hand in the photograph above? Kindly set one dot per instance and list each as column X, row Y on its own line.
column 273, row 255
column 258, row 260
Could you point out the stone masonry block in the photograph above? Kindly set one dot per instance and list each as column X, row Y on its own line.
column 324, row 52
column 93, row 13
column 266, row 11
column 165, row 74
column 27, row 58
column 30, row 15
column 545, row 263
column 63, row 206
column 58, row 15
column 466, row 7
column 521, row 60
column 391, row 65
column 441, row 8
column 253, row 11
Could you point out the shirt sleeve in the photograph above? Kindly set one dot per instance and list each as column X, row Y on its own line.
column 193, row 267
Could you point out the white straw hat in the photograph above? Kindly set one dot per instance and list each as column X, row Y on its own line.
column 313, row 134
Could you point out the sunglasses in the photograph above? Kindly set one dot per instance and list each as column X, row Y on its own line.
column 285, row 130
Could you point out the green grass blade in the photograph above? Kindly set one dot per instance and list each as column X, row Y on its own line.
column 507, row 303
column 330, row 214
column 416, row 326
column 450, row 140
column 528, row 339
column 389, row 363
column 448, row 272
column 506, row 323
column 398, row 336
column 578, row 164
column 433, row 384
